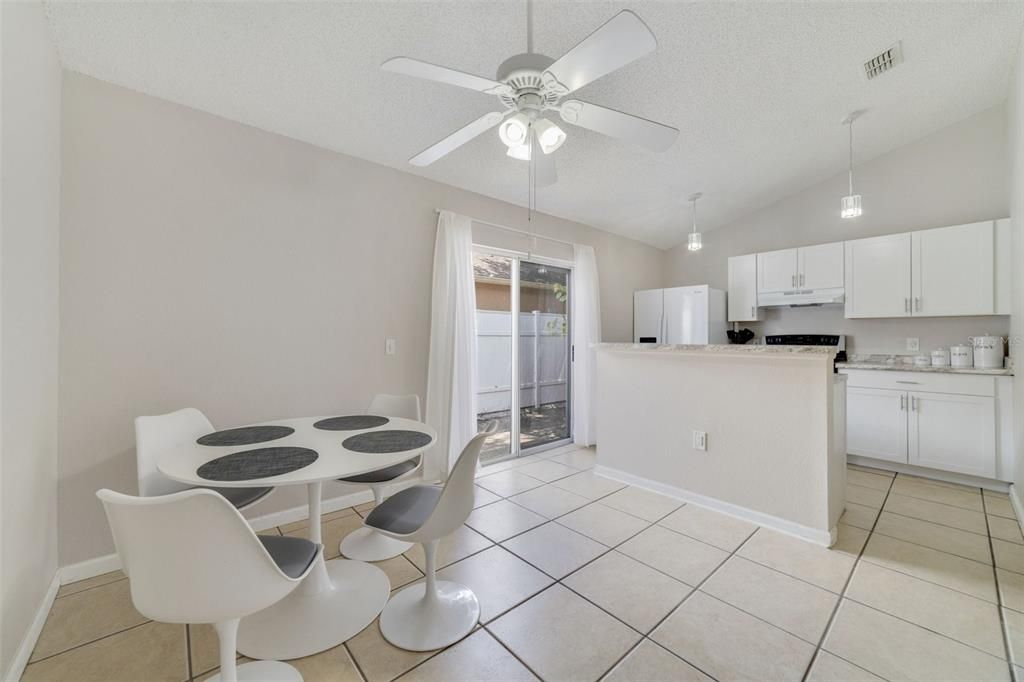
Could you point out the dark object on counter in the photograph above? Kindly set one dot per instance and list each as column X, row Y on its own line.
column 741, row 336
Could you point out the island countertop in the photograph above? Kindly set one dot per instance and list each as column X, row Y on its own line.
column 733, row 348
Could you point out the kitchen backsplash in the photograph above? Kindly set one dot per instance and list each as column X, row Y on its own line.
column 883, row 336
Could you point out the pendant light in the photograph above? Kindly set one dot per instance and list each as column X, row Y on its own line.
column 693, row 240
column 851, row 205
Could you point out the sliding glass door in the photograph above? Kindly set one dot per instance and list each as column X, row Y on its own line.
column 523, row 322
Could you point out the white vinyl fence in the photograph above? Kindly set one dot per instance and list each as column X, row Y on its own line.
column 541, row 335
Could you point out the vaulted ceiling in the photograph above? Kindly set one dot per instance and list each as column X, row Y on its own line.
column 757, row 89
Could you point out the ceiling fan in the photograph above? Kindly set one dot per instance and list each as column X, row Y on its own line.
column 529, row 85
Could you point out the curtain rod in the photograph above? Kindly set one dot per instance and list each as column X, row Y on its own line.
column 515, row 229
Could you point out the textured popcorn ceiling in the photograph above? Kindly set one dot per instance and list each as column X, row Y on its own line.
column 756, row 89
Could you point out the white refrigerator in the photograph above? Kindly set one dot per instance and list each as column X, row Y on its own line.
column 686, row 315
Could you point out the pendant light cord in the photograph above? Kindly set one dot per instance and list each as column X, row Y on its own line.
column 694, row 202
column 851, row 157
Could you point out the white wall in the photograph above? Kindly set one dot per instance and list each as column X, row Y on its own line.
column 956, row 175
column 1016, row 188
column 208, row 263
column 29, row 228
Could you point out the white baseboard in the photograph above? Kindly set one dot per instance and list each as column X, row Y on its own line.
column 112, row 562
column 925, row 472
column 825, row 538
column 28, row 642
column 1015, row 501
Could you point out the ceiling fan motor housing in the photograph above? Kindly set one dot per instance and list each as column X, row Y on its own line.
column 535, row 89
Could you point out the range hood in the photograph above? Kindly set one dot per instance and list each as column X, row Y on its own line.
column 798, row 297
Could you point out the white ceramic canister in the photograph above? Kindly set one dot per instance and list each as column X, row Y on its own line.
column 961, row 356
column 988, row 351
column 940, row 357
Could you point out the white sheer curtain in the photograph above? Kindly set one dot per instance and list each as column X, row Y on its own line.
column 451, row 372
column 586, row 330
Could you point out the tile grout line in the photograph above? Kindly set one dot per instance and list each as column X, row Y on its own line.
column 694, row 591
column 188, row 653
column 846, row 584
column 999, row 597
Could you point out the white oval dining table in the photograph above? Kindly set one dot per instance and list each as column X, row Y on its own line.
column 339, row 597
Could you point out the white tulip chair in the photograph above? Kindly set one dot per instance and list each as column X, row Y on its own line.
column 190, row 557
column 432, row 614
column 366, row 544
column 161, row 433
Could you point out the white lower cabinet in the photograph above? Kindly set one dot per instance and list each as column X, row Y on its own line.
column 953, row 433
column 949, row 422
column 876, row 424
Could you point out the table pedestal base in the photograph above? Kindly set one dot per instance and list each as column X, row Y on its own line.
column 261, row 671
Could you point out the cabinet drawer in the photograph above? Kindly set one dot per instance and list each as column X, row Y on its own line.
column 962, row 384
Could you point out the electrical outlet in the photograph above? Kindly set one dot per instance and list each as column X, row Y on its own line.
column 390, row 346
column 700, row 440
column 913, row 343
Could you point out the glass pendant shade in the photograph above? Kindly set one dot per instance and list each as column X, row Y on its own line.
column 693, row 242
column 850, row 206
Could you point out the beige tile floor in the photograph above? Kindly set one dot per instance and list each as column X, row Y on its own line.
column 582, row 578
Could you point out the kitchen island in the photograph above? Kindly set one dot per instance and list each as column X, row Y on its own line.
column 774, row 419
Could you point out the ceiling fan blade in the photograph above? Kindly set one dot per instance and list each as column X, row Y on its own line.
column 655, row 136
column 543, row 164
column 442, row 74
column 619, row 41
column 457, row 139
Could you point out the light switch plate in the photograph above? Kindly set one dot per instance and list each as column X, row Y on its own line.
column 913, row 343
column 390, row 345
column 700, row 440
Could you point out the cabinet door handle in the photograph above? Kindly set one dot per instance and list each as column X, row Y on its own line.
column 908, row 382
column 903, row 402
column 801, row 279
column 906, row 305
column 792, row 280
column 751, row 311
column 917, row 304
column 913, row 404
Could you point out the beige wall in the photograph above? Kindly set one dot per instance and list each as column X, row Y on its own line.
column 207, row 263
column 29, row 228
column 957, row 175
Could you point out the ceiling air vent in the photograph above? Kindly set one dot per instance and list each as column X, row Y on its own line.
column 885, row 60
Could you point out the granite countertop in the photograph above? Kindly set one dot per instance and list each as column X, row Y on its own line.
column 738, row 349
column 900, row 367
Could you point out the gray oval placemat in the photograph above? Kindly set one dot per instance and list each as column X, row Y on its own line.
column 352, row 422
column 391, row 440
column 246, row 435
column 258, row 463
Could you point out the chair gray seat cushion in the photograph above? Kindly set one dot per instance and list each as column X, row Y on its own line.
column 242, row 497
column 292, row 555
column 383, row 475
column 405, row 511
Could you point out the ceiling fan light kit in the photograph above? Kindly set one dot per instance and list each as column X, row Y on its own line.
column 530, row 85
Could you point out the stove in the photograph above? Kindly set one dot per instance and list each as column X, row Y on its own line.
column 836, row 340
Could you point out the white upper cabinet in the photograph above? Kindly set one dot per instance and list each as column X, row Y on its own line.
column 1003, row 261
column 878, row 276
column 820, row 267
column 743, row 288
column 777, row 271
column 953, row 270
